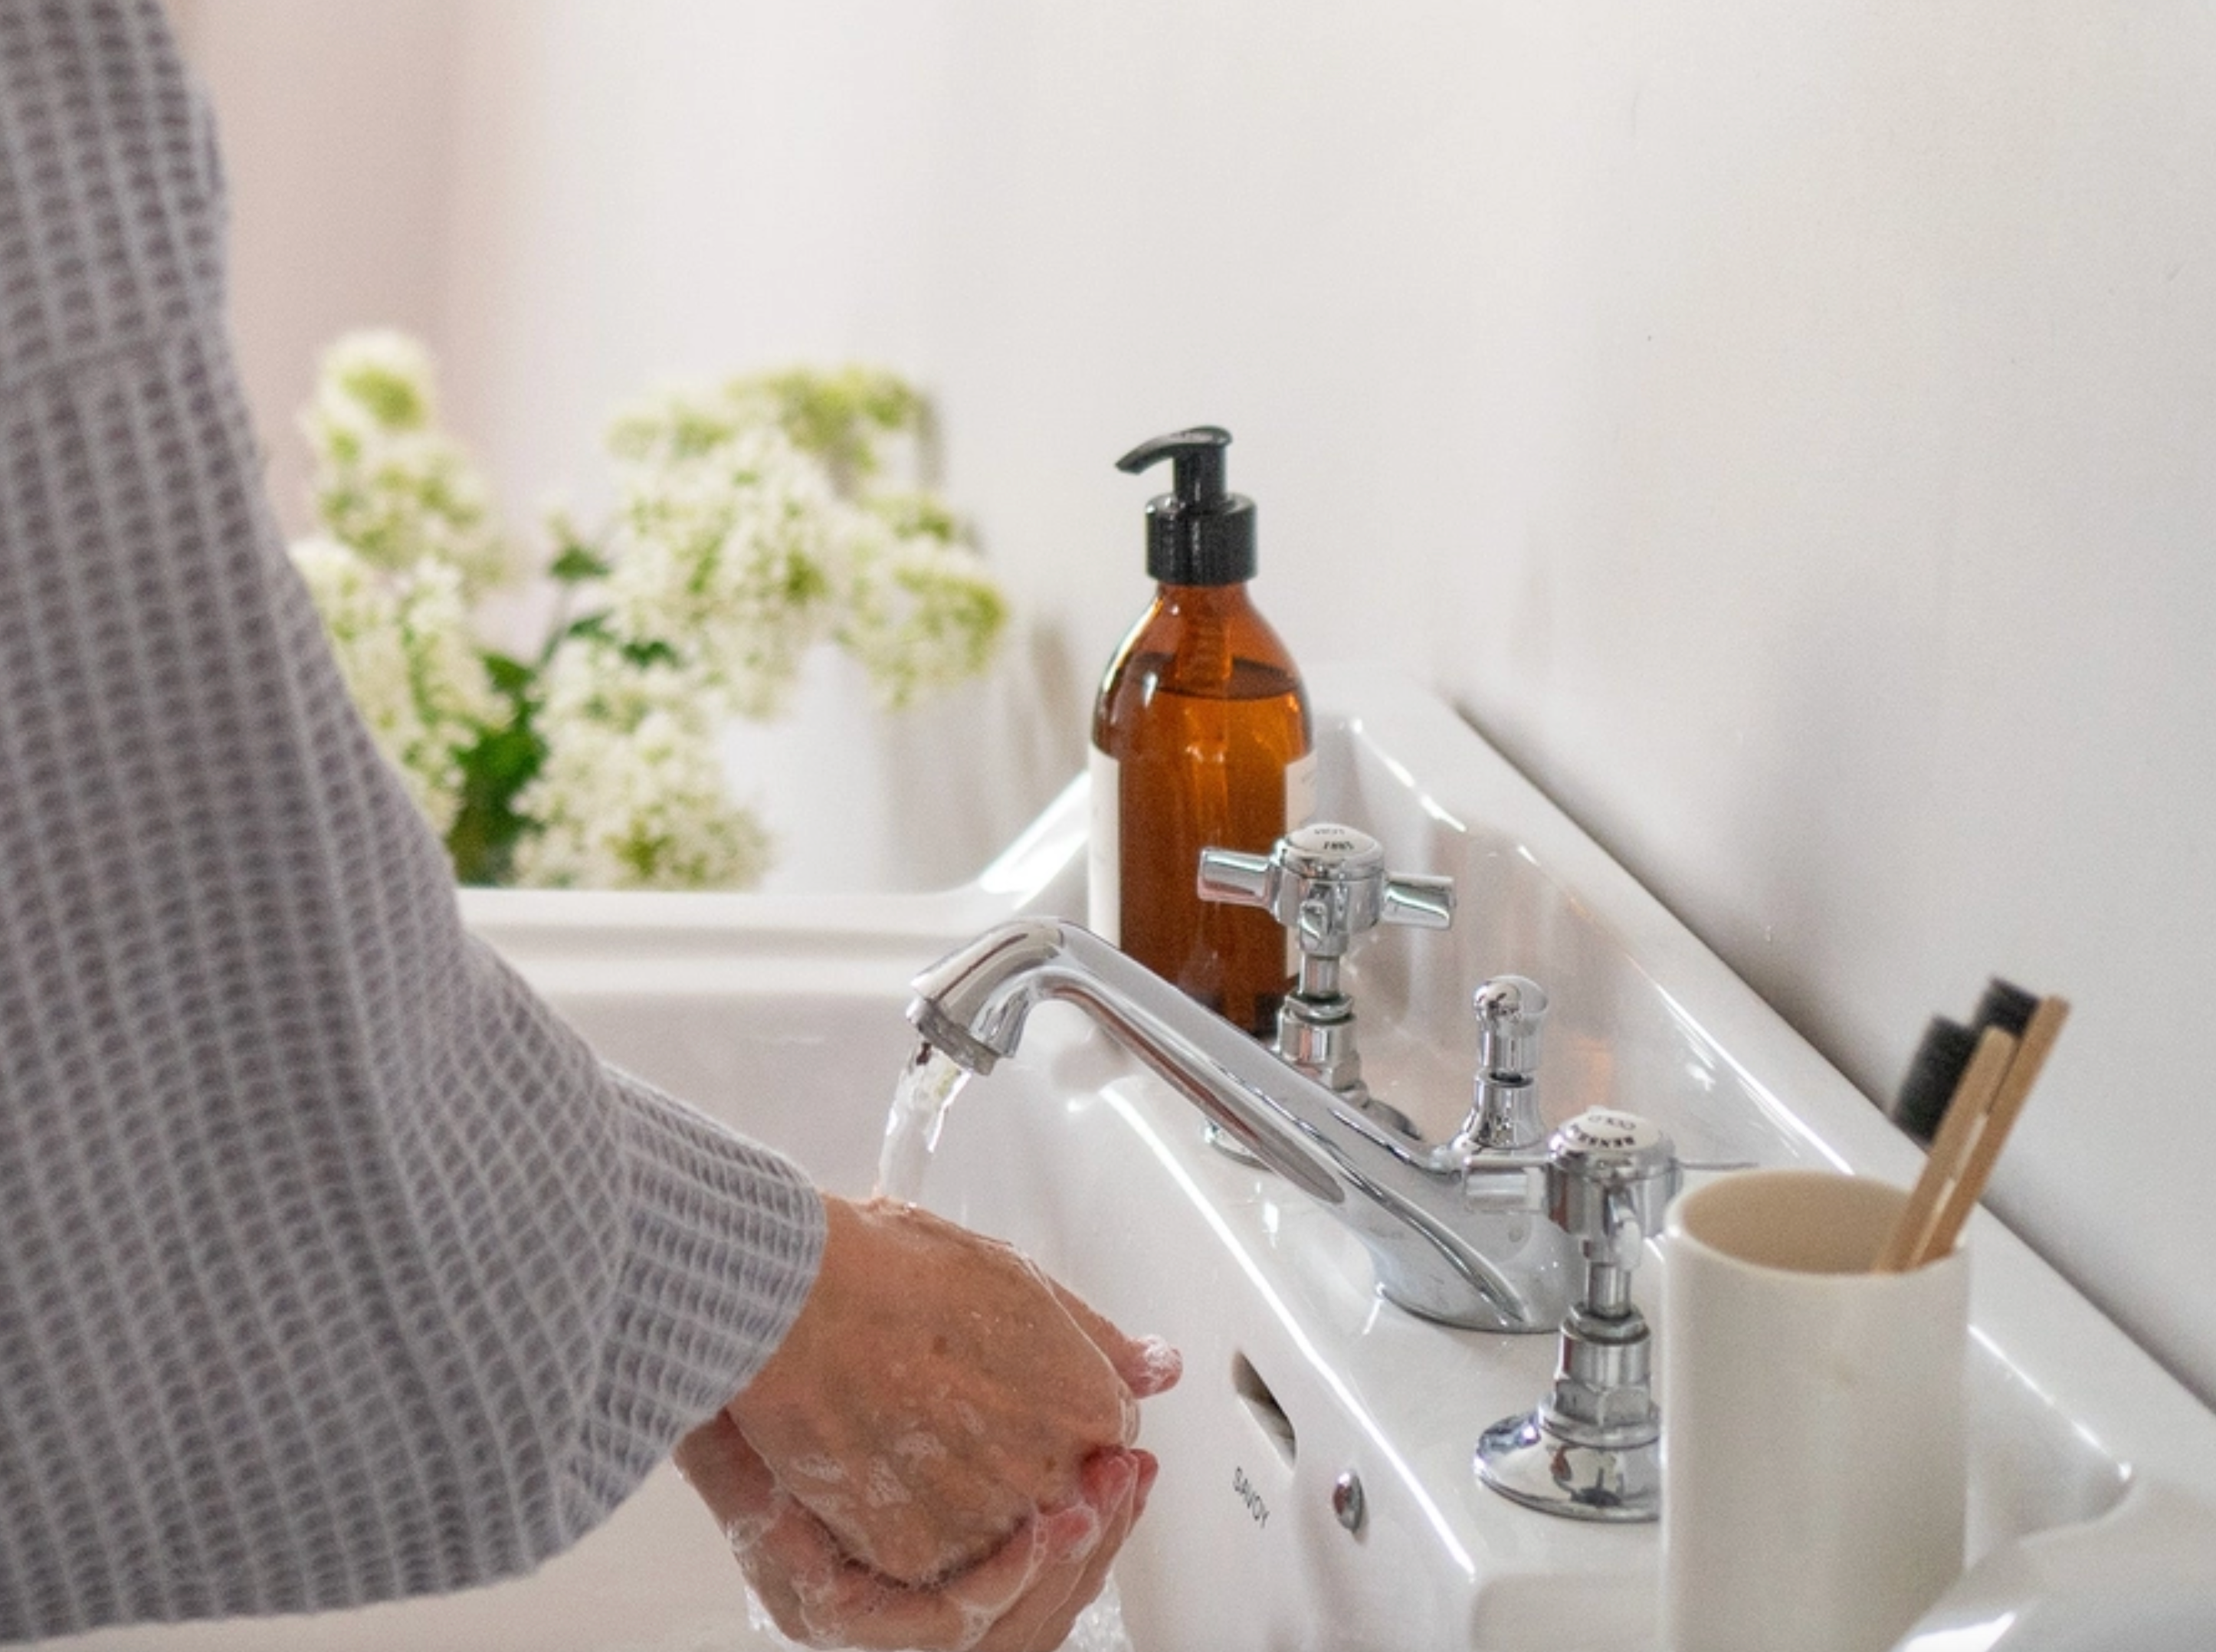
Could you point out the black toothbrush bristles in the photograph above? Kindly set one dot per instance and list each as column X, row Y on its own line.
column 1933, row 1074
column 1936, row 1070
column 2006, row 1006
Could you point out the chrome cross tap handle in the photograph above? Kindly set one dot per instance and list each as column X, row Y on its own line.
column 1328, row 885
column 1591, row 1449
column 1503, row 1113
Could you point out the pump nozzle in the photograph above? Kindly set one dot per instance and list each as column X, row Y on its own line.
column 1196, row 533
column 1197, row 476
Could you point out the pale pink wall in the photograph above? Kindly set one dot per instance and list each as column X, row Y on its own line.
column 339, row 124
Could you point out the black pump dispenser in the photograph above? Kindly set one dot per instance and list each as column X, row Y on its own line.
column 1196, row 533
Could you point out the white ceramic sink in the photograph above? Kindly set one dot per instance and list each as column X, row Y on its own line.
column 2094, row 1474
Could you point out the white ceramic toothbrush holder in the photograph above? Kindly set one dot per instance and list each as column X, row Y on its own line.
column 1813, row 1459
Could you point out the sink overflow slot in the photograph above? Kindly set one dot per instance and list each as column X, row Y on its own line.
column 1262, row 1405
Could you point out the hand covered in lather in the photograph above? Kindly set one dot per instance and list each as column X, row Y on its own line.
column 940, row 1453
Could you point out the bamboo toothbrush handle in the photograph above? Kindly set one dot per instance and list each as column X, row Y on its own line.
column 2038, row 1036
column 1950, row 1150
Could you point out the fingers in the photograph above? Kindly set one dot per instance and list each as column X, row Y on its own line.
column 849, row 1605
column 1155, row 1370
column 1027, row 1595
column 788, row 1557
column 1148, row 1364
column 1116, row 1487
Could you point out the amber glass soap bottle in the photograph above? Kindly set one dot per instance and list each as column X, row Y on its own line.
column 1201, row 739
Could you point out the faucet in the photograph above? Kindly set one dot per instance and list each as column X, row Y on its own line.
column 1464, row 1233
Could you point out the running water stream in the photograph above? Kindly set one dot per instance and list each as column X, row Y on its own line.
column 926, row 1088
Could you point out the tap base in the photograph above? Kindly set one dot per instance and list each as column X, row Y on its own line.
column 1530, row 1460
column 1231, row 1147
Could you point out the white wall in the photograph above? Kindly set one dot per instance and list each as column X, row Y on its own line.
column 1790, row 432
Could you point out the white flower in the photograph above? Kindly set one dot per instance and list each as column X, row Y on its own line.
column 921, row 614
column 745, row 533
column 734, row 560
column 387, row 481
column 677, row 422
column 632, row 793
column 377, row 377
column 735, row 550
column 403, row 646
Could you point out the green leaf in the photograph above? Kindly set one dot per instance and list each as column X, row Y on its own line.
column 482, row 841
column 594, row 627
column 577, row 564
column 510, row 677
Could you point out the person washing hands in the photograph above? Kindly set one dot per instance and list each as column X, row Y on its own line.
column 989, row 1458
column 334, row 1265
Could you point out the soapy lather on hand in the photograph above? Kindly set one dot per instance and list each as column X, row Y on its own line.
column 940, row 1453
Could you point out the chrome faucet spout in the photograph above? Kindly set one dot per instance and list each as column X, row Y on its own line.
column 974, row 1003
column 1421, row 1212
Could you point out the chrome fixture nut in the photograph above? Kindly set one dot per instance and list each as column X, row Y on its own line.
column 1347, row 1500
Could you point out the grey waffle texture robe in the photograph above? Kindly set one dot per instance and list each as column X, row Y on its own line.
column 333, row 1266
